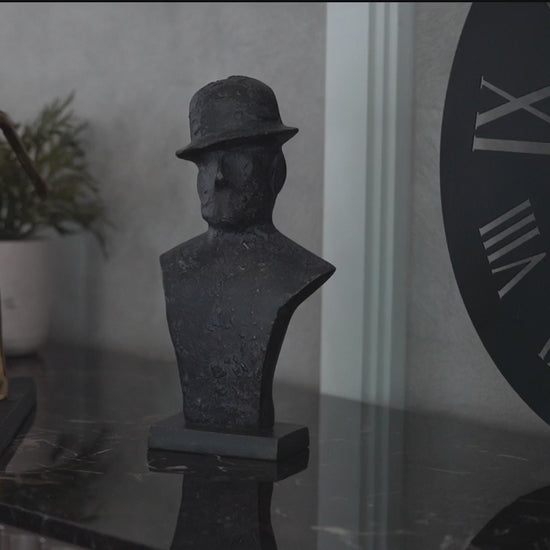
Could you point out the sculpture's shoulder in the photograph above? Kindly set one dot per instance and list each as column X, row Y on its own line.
column 262, row 259
column 300, row 262
column 184, row 256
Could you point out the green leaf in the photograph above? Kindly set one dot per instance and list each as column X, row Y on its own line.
column 54, row 140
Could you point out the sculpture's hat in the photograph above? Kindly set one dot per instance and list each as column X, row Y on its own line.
column 236, row 108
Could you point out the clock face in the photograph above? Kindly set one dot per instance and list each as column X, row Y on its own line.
column 495, row 187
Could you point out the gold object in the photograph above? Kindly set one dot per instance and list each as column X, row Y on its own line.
column 4, row 384
column 16, row 144
column 8, row 128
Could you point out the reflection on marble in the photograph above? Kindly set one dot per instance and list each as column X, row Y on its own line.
column 523, row 525
column 377, row 479
column 235, row 492
column 12, row 538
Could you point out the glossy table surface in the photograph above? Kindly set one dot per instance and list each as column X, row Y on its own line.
column 373, row 478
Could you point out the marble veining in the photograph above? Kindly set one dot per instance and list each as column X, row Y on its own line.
column 81, row 472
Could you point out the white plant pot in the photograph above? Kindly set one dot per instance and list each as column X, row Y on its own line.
column 25, row 290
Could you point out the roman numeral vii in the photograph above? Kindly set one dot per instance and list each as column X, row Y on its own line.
column 498, row 230
column 512, row 105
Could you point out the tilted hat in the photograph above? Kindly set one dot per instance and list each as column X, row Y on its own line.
column 236, row 108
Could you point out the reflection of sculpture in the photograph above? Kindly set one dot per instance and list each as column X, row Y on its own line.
column 230, row 292
column 225, row 503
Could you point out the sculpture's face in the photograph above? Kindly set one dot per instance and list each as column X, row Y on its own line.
column 236, row 186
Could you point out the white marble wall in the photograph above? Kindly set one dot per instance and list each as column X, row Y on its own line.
column 448, row 369
column 134, row 67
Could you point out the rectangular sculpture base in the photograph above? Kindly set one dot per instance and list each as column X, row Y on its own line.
column 282, row 441
column 15, row 408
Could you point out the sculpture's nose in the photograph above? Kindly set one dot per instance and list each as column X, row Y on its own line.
column 219, row 181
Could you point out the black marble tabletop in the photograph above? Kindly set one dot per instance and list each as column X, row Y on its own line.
column 374, row 478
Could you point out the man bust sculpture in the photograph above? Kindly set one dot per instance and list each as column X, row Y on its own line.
column 231, row 291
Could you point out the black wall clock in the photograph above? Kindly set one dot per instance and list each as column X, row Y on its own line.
column 495, row 187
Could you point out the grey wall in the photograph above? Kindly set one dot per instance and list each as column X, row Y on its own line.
column 448, row 368
column 134, row 68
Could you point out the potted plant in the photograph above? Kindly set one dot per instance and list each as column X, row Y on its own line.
column 55, row 144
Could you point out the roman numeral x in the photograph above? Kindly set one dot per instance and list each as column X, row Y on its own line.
column 513, row 104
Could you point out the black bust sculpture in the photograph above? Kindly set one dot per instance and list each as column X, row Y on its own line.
column 231, row 291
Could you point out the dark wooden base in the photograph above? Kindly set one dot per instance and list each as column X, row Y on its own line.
column 14, row 410
column 284, row 440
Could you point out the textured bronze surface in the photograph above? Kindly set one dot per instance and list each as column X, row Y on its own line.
column 230, row 292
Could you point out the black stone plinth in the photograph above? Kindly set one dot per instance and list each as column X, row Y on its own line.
column 282, row 441
column 15, row 408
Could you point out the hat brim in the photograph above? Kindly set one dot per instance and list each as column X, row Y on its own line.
column 280, row 133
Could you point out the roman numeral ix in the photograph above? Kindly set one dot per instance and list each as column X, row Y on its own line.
column 495, row 232
column 512, row 105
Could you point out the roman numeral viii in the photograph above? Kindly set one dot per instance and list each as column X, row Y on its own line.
column 496, row 231
column 512, row 105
